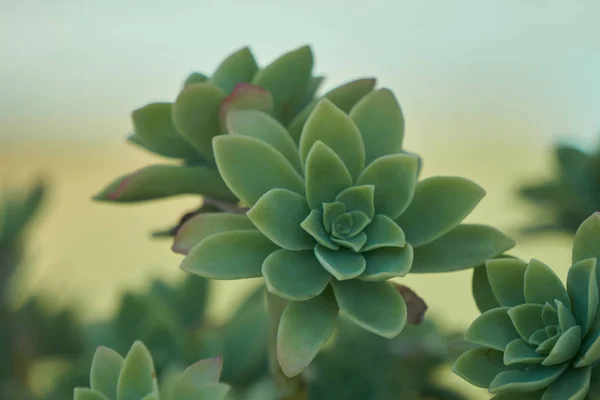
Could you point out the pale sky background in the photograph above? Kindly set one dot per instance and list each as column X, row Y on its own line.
column 75, row 69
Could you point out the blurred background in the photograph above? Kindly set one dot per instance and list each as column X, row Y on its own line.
column 486, row 88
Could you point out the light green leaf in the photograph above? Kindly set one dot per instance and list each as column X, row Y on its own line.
column 590, row 350
column 278, row 214
column 137, row 378
column 507, row 279
column 330, row 212
column 585, row 243
column 479, row 367
column 355, row 243
column 527, row 318
column 196, row 115
column 359, row 198
column 344, row 97
column 251, row 168
column 519, row 352
column 304, row 327
column 235, row 254
column 541, row 335
column 326, row 176
column 383, row 232
column 394, row 177
column 343, row 264
column 200, row 381
column 261, row 125
column 573, row 385
column 391, row 262
column 527, row 381
column 493, row 329
column 286, row 78
column 482, row 291
column 313, row 224
column 546, row 346
column 89, row 394
column 566, row 319
column 160, row 181
column 583, row 293
column 195, row 77
column 565, row 348
column 549, row 315
column 294, row 275
column 374, row 306
column 466, row 246
column 154, row 130
column 201, row 226
column 334, row 128
column 104, row 374
column 542, row 285
column 238, row 67
column 244, row 97
column 519, row 396
column 380, row 121
column 360, row 220
column 439, row 204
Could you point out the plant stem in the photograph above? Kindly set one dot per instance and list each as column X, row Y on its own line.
column 289, row 388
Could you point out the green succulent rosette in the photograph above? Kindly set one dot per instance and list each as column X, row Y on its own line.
column 537, row 339
column 332, row 218
column 113, row 377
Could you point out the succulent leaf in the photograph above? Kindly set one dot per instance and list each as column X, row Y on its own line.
column 238, row 67
column 566, row 347
column 494, row 329
column 343, row 264
column 479, row 367
column 195, row 77
column 313, row 224
column 89, row 394
column 482, row 291
column 585, row 242
column 386, row 263
column 530, row 380
column 583, row 293
column 520, row 352
column 542, row 285
column 104, row 374
column 137, row 378
column 527, row 318
column 573, row 385
column 244, row 97
column 359, row 198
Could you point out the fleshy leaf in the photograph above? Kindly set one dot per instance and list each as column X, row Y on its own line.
column 344, row 97
column 294, row 275
column 380, row 121
column 160, row 181
column 394, row 177
column 309, row 95
column 391, row 262
column 88, row 394
column 549, row 315
column 507, row 277
column 546, row 346
column 527, row 381
column 155, row 131
column 238, row 67
column 229, row 255
column 330, row 212
column 482, row 291
column 360, row 220
column 278, row 215
column 262, row 126
column 566, row 319
column 359, row 198
column 493, row 329
column 251, row 168
column 374, row 306
column 355, row 243
column 244, row 97
column 201, row 226
column 383, row 232
column 518, row 351
column 542, row 285
column 590, row 350
column 573, row 385
column 196, row 115
column 286, row 78
column 198, row 381
column 583, row 293
column 137, row 378
column 541, row 335
column 304, row 327
column 565, row 348
column 466, row 246
column 334, row 128
column 519, row 395
column 195, row 77
column 343, row 264
column 104, row 374
column 585, row 243
column 439, row 204
column 526, row 318
column 313, row 224
column 326, row 175
column 479, row 367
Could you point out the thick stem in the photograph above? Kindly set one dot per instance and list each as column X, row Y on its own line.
column 289, row 388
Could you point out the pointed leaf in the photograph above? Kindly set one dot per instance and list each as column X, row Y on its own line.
column 201, row 226
column 160, row 181
column 360, row 220
column 214, row 391
column 344, row 97
column 594, row 390
column 355, row 243
column 287, row 77
column 229, row 255
column 507, row 277
column 238, row 67
column 586, row 244
column 565, row 348
column 549, row 315
column 359, row 198
column 326, row 176
column 583, row 293
column 192, row 383
column 294, row 275
column 566, row 319
column 330, row 212
column 391, row 262
column 251, row 168
column 439, row 204
column 518, row 351
column 493, row 329
column 526, row 318
column 538, row 337
column 137, row 378
column 334, row 128
column 542, row 285
column 278, row 214
column 155, row 131
column 374, row 306
column 383, row 232
column 104, row 374
column 479, row 367
column 88, row 394
column 573, row 385
column 546, row 346
column 195, row 77
column 343, row 264
column 380, row 121
column 466, row 246
column 590, row 350
column 261, row 125
column 244, row 97
column 313, row 87
column 304, row 327
column 482, row 291
column 196, row 115
column 527, row 381
column 313, row 224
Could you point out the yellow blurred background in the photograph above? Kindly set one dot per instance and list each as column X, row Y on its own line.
column 486, row 88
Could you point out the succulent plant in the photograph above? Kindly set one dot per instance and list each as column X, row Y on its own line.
column 537, row 339
column 571, row 195
column 113, row 377
column 183, row 130
column 332, row 218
